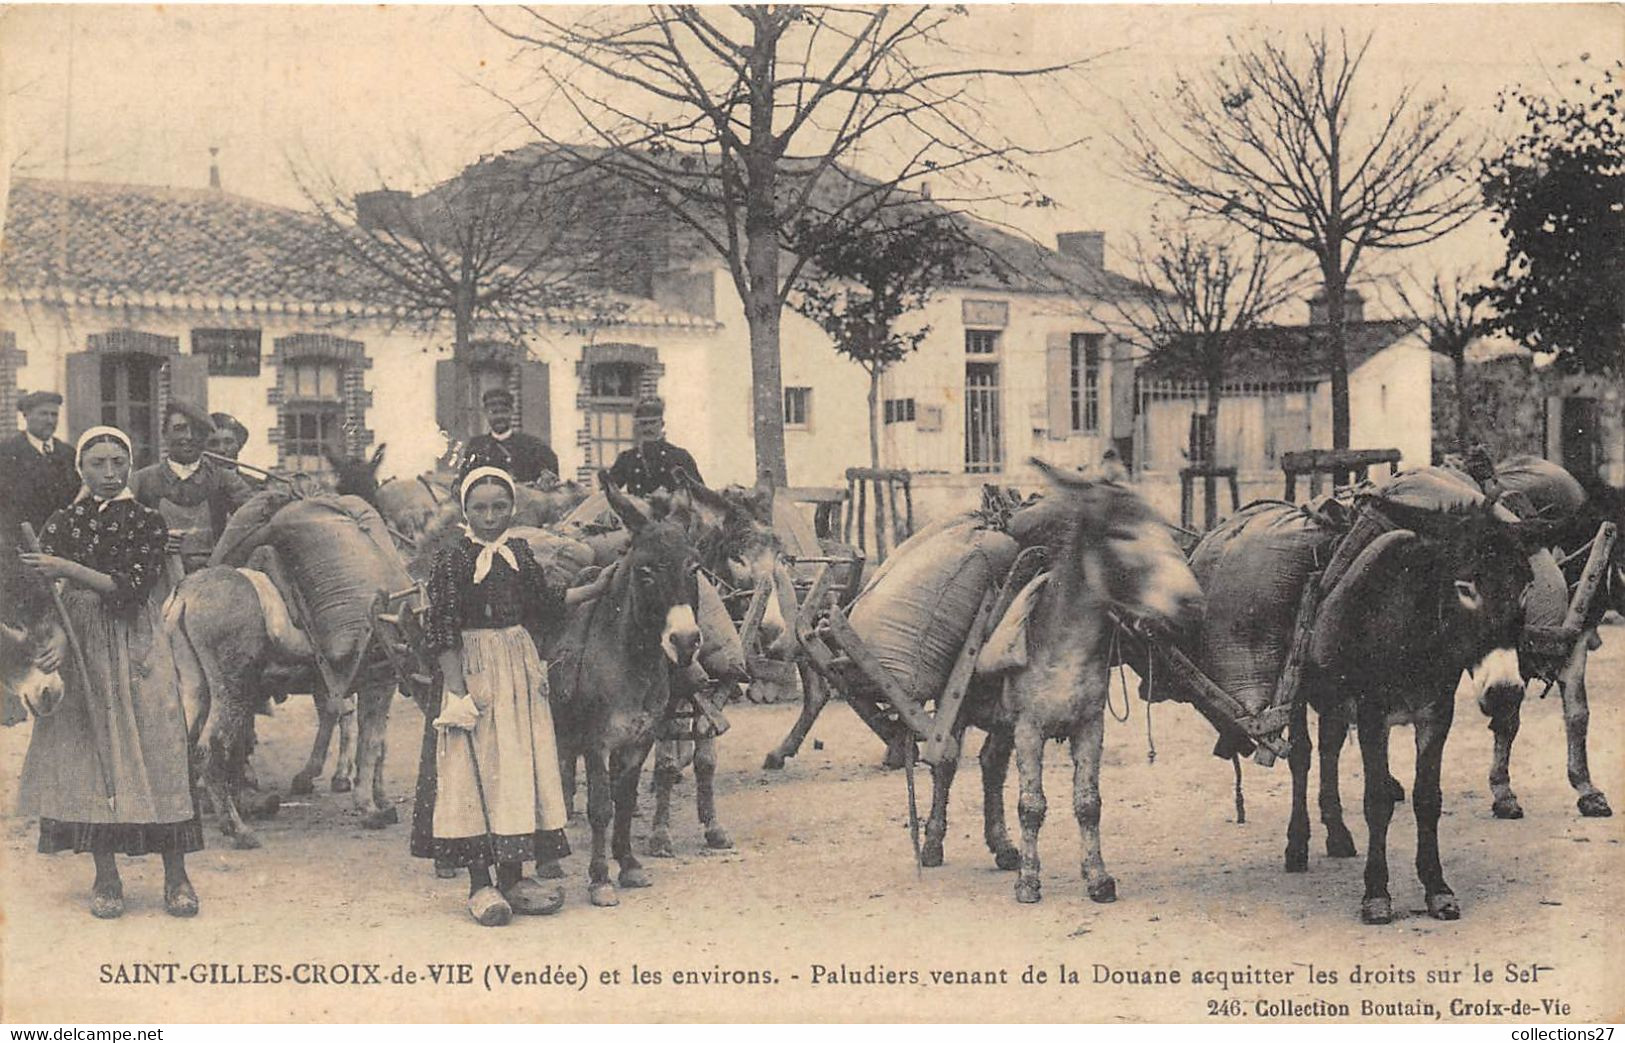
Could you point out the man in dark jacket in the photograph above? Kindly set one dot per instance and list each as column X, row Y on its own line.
column 37, row 471
column 654, row 463
column 227, row 439
column 524, row 456
column 194, row 495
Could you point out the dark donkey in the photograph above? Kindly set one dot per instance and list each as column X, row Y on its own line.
column 1421, row 603
column 27, row 626
column 1114, row 551
column 611, row 668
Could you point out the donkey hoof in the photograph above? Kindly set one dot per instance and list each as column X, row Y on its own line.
column 1377, row 910
column 931, row 854
column 603, row 895
column 550, row 870
column 341, row 784
column 1396, row 791
column 1594, row 805
column 302, row 785
column 634, row 876
column 1007, row 858
column 773, row 762
column 245, row 840
column 717, row 839
column 380, row 818
column 1297, row 858
column 1340, row 845
column 1443, row 906
column 446, row 871
column 1027, row 891
column 1507, row 807
column 1103, row 891
column 266, row 806
column 660, row 846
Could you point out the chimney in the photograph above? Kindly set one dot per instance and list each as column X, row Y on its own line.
column 380, row 208
column 1353, row 308
column 1088, row 247
column 214, row 167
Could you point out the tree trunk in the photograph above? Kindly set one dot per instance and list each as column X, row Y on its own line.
column 762, row 305
column 1463, row 428
column 874, row 418
column 1335, row 286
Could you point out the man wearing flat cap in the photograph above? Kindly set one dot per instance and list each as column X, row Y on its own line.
column 37, row 472
column 653, row 463
column 526, row 457
column 227, row 439
column 194, row 495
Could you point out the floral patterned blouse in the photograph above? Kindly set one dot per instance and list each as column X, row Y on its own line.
column 122, row 538
column 503, row 599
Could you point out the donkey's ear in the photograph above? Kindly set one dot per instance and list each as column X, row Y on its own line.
column 623, row 507
column 1059, row 478
column 378, row 455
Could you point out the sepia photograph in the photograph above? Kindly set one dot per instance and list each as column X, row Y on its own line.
column 523, row 515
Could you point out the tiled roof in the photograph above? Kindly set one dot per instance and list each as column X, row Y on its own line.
column 1285, row 354
column 113, row 244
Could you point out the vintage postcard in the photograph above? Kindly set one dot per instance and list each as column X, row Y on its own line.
column 525, row 514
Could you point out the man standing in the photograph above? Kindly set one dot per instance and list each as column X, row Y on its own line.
column 37, row 472
column 526, row 457
column 654, row 463
column 194, row 495
column 227, row 439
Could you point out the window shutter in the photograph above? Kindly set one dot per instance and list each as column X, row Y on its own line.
column 1058, row 381
column 189, row 380
column 84, row 393
column 1122, row 391
column 534, row 406
column 445, row 397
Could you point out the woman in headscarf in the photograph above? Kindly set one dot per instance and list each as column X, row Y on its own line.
column 107, row 770
column 497, row 797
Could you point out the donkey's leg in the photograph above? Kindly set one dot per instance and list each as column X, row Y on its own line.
column 600, row 812
column 625, row 765
column 1377, row 906
column 344, row 764
column 666, row 774
column 942, row 784
column 305, row 781
column 1427, row 801
column 1334, row 730
column 1030, row 806
column 223, row 740
column 995, row 758
column 1576, row 720
column 373, row 713
column 1299, row 757
column 1505, row 720
column 1087, row 738
column 705, row 793
column 814, row 696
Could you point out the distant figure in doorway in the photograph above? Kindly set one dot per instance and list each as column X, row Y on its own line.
column 524, row 456
column 653, row 463
column 37, row 474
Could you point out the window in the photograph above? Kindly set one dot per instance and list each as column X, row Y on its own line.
column 313, row 413
column 231, row 353
column 984, row 447
column 1086, row 381
column 981, row 342
column 612, row 390
column 899, row 411
column 130, row 402
column 798, row 407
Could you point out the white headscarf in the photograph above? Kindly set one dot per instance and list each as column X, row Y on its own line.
column 490, row 550
column 85, row 439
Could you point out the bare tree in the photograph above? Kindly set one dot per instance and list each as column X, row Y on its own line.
column 744, row 122
column 1274, row 140
column 1452, row 313
column 1194, row 301
column 494, row 248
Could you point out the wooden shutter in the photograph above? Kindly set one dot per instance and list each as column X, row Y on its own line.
column 1122, row 390
column 84, row 393
column 1058, row 383
column 189, row 380
column 535, row 408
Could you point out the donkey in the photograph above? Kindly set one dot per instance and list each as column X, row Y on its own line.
column 27, row 626
column 1115, row 552
column 1420, row 604
column 610, row 670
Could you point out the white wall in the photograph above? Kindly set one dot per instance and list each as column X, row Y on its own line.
column 1391, row 402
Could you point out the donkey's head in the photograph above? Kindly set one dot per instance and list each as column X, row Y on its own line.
column 657, row 584
column 1120, row 548
column 26, row 626
column 356, row 475
column 732, row 532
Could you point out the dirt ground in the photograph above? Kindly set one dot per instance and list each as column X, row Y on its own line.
column 823, row 878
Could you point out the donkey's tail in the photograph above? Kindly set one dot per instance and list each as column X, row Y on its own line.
column 192, row 682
